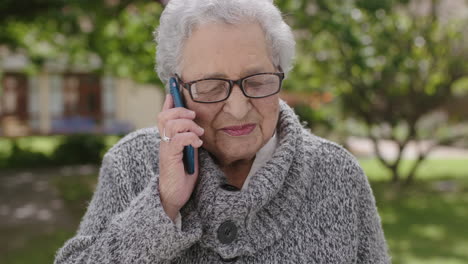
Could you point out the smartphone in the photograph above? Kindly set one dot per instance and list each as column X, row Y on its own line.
column 189, row 152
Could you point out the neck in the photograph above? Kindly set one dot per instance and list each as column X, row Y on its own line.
column 236, row 172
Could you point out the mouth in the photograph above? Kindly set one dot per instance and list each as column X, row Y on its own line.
column 239, row 130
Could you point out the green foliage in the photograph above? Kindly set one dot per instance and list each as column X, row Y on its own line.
column 311, row 117
column 322, row 121
column 113, row 37
column 20, row 157
column 460, row 87
column 80, row 149
column 384, row 65
column 48, row 151
column 389, row 66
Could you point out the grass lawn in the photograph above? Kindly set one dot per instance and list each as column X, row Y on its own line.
column 427, row 222
column 431, row 169
column 39, row 249
column 33, row 243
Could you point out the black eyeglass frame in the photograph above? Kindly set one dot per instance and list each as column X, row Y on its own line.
column 187, row 85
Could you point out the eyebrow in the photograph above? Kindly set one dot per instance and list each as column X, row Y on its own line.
column 244, row 73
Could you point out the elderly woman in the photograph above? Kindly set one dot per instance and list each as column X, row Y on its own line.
column 265, row 190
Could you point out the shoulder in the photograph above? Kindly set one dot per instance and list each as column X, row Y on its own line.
column 133, row 160
column 137, row 150
column 136, row 141
column 325, row 149
column 331, row 164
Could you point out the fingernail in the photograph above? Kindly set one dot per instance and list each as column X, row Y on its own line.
column 200, row 142
column 202, row 130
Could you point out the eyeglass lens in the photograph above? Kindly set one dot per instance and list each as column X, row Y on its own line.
column 217, row 90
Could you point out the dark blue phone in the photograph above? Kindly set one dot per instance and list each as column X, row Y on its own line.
column 189, row 153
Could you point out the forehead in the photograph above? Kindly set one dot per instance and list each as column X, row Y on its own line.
column 231, row 50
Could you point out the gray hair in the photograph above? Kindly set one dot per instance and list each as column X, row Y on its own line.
column 180, row 17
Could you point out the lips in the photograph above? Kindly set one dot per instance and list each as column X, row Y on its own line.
column 239, row 130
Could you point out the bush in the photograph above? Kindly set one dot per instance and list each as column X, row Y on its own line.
column 80, row 149
column 20, row 157
column 58, row 150
column 315, row 118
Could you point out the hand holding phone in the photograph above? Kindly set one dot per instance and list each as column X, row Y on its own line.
column 189, row 156
column 178, row 156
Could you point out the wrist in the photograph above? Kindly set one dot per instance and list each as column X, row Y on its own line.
column 171, row 211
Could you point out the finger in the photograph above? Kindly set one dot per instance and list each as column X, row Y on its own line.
column 180, row 140
column 175, row 126
column 166, row 106
column 174, row 113
column 168, row 102
column 196, row 161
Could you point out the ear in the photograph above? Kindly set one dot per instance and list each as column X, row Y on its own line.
column 279, row 68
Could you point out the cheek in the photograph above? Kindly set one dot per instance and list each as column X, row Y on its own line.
column 204, row 118
column 203, row 121
column 269, row 112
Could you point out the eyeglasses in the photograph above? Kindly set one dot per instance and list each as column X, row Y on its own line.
column 213, row 90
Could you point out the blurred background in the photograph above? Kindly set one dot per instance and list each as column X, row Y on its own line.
column 386, row 79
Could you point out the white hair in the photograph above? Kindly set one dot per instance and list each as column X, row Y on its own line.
column 180, row 17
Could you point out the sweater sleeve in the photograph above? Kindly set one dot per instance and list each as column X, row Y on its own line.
column 122, row 227
column 372, row 246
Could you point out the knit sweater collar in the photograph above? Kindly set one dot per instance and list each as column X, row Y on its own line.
column 264, row 210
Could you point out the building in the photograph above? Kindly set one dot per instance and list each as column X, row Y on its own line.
column 59, row 102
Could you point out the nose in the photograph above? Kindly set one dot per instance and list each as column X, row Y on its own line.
column 237, row 105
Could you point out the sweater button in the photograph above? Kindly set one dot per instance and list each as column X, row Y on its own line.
column 234, row 259
column 229, row 187
column 227, row 232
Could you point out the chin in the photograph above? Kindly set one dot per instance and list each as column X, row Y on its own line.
column 243, row 154
column 239, row 149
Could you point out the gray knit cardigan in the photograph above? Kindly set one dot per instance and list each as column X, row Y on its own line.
column 310, row 203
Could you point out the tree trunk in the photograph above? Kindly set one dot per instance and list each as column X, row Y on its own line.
column 395, row 174
column 412, row 172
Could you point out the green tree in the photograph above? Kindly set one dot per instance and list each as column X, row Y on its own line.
column 390, row 67
column 116, row 35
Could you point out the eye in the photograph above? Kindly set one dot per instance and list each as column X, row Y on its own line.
column 210, row 88
column 261, row 80
column 254, row 83
column 214, row 90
